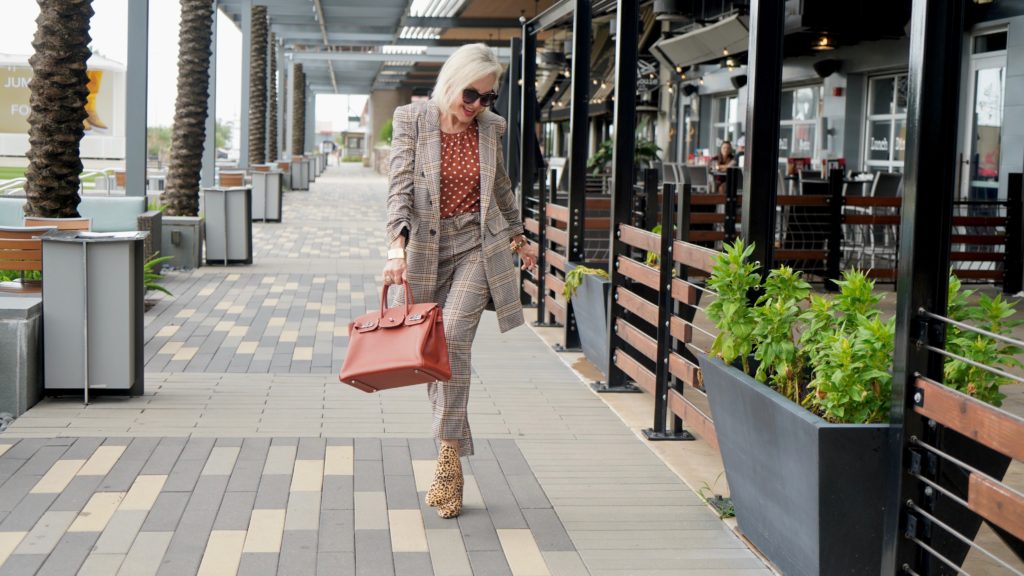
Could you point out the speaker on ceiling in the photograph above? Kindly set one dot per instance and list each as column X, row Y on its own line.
column 827, row 67
column 689, row 89
column 739, row 81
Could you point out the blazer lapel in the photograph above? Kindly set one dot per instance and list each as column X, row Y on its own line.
column 430, row 133
column 488, row 166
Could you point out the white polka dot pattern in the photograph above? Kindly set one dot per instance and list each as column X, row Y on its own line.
column 460, row 172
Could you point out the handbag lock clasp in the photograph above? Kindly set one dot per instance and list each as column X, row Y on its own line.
column 415, row 317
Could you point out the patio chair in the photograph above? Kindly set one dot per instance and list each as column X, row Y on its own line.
column 669, row 173
column 698, row 177
column 21, row 250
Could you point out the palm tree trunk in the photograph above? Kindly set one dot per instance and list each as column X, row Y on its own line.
column 181, row 194
column 59, row 91
column 258, row 87
column 298, row 111
column 272, row 145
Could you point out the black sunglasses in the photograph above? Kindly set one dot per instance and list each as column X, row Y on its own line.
column 470, row 95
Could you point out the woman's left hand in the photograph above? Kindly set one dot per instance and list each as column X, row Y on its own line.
column 528, row 256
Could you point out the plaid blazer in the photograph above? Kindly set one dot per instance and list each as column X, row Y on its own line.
column 414, row 191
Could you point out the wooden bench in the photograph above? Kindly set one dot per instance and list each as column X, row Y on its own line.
column 22, row 250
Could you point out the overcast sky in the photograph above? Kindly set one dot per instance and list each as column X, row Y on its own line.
column 110, row 38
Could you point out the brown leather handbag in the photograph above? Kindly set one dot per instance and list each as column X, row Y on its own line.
column 396, row 347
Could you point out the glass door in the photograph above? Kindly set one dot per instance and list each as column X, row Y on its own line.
column 987, row 87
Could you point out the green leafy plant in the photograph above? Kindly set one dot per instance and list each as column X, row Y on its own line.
column 645, row 153
column 11, row 275
column 722, row 505
column 574, row 278
column 386, row 131
column 994, row 315
column 151, row 279
column 734, row 277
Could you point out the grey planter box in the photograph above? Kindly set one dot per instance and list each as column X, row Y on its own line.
column 590, row 307
column 808, row 493
column 228, row 216
column 21, row 353
column 300, row 173
column 93, row 325
column 182, row 239
column 266, row 196
column 313, row 170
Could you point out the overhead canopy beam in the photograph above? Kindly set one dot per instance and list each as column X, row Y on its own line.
column 446, row 23
column 553, row 15
column 309, row 32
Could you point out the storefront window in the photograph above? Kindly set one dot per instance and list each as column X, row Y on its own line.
column 727, row 124
column 885, row 145
column 797, row 126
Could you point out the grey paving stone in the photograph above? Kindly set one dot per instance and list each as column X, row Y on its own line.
column 273, row 492
column 83, row 448
column 548, row 530
column 498, row 497
column 401, row 492
column 235, row 510
column 373, row 553
column 22, row 564
column 42, row 460
column 120, row 532
column 15, row 488
column 27, row 512
column 478, row 531
column 24, row 448
column 245, row 477
column 413, row 564
column 185, row 551
column 336, row 563
column 69, row 554
column 367, row 449
column 311, row 449
column 337, row 493
column 164, row 456
column 298, row 553
column 77, row 493
column 430, row 518
column 184, row 475
column 258, row 564
column 489, row 563
column 396, row 461
column 166, row 512
column 128, row 466
column 527, row 491
column 482, row 450
column 285, row 441
column 369, row 474
column 337, row 531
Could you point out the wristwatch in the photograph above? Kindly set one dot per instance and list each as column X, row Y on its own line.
column 396, row 253
column 515, row 245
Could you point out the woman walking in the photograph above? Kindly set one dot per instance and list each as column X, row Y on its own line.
column 453, row 226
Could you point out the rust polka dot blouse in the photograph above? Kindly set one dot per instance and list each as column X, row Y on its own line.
column 460, row 172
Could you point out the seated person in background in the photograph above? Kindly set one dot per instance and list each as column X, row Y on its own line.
column 720, row 162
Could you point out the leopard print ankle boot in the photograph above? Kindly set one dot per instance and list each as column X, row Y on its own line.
column 446, row 490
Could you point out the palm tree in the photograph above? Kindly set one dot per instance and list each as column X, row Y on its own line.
column 298, row 111
column 59, row 90
column 181, row 194
column 272, row 146
column 258, row 87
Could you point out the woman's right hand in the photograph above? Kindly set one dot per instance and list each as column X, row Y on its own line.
column 394, row 271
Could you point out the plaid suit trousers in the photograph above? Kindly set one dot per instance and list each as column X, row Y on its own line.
column 463, row 293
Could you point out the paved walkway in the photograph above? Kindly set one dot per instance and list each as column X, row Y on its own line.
column 245, row 455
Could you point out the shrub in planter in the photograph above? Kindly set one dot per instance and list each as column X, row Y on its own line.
column 801, row 419
column 587, row 290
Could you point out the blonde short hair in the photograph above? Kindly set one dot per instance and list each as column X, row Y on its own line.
column 466, row 65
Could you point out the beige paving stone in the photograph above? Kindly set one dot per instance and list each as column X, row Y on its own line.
column 236, row 309
column 289, row 336
column 247, row 347
column 238, row 331
column 99, row 564
column 312, row 305
column 206, row 292
column 371, row 511
column 146, row 554
column 291, row 286
column 143, row 492
column 271, row 302
column 276, row 321
column 224, row 326
column 326, row 326
column 303, row 511
column 222, row 305
column 185, row 353
column 4, row 448
column 57, row 477
column 522, row 553
column 9, row 542
column 97, row 512
column 302, row 353
column 280, row 460
column 101, row 461
column 338, row 461
column 448, row 553
column 276, row 289
column 268, row 280
column 223, row 553
column 167, row 331
column 171, row 348
column 265, row 530
column 407, row 533
column 327, row 310
column 221, row 461
column 185, row 313
column 471, row 497
column 308, row 476
column 423, row 471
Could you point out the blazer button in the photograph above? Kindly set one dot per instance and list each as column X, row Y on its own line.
column 433, row 232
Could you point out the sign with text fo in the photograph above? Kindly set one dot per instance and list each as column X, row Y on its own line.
column 15, row 96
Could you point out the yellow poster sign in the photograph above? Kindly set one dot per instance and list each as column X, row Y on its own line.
column 15, row 109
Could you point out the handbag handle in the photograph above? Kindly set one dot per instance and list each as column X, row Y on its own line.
column 384, row 299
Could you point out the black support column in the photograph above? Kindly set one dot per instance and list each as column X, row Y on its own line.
column 627, row 38
column 527, row 152
column 578, row 129
column 929, row 186
column 513, row 114
column 764, row 92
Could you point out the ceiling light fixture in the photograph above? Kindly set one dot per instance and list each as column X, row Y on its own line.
column 824, row 42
